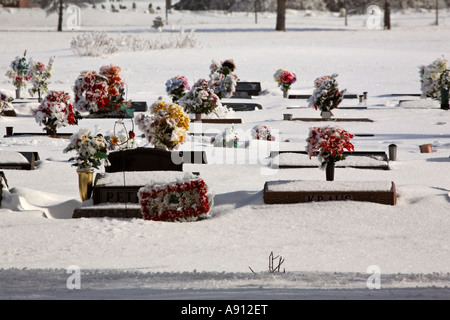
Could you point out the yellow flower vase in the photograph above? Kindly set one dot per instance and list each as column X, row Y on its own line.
column 85, row 181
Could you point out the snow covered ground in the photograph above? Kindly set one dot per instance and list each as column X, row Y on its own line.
column 330, row 248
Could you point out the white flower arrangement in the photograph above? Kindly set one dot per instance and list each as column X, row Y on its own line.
column 433, row 77
column 222, row 78
column 227, row 139
column 40, row 75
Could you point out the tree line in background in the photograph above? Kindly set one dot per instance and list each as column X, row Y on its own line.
column 279, row 6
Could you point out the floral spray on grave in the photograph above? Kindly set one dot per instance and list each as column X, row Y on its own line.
column 329, row 142
column 326, row 95
column 18, row 73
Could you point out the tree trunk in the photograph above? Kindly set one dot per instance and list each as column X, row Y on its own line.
column 281, row 15
column 387, row 15
column 60, row 14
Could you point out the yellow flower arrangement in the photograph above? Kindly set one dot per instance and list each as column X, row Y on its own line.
column 174, row 111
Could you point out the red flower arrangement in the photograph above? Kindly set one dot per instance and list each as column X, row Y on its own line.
column 330, row 142
column 174, row 201
column 91, row 92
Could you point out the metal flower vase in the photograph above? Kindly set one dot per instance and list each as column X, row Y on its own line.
column 329, row 171
column 85, row 182
column 444, row 98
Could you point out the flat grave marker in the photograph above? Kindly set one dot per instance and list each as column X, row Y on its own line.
column 18, row 160
column 289, row 192
column 375, row 160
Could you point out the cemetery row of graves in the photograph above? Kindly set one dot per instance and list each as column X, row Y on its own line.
column 156, row 186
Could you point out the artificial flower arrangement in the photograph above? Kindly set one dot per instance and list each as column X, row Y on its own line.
column 166, row 127
column 102, row 91
column 91, row 150
column 227, row 139
column 187, row 200
column 177, row 87
column 56, row 111
column 40, row 75
column 201, row 99
column 329, row 142
column 433, row 77
column 285, row 80
column 326, row 95
column 262, row 132
column 222, row 78
column 18, row 72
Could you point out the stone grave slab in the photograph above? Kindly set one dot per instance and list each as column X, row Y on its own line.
column 139, row 106
column 333, row 119
column 218, row 121
column 126, row 211
column 58, row 135
column 18, row 160
column 144, row 159
column 242, row 106
column 306, row 96
column 122, row 187
column 247, row 89
column 376, row 160
column 288, row 192
column 3, row 185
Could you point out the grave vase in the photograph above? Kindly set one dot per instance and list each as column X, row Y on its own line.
column 51, row 131
column 198, row 117
column 85, row 180
column 285, row 93
column 329, row 171
column 444, row 98
column 18, row 93
column 326, row 115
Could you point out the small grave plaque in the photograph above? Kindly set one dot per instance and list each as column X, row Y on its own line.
column 218, row 121
column 285, row 192
column 306, row 96
column 251, row 88
column 139, row 106
column 334, row 119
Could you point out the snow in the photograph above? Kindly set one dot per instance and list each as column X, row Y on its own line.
column 327, row 246
column 298, row 185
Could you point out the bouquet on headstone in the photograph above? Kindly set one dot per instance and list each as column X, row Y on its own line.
column 56, row 111
column 187, row 200
column 285, row 79
column 91, row 92
column 40, row 75
column 433, row 77
column 166, row 127
column 326, row 95
column 262, row 132
column 222, row 78
column 116, row 87
column 200, row 99
column 91, row 150
column 18, row 71
column 177, row 87
column 329, row 142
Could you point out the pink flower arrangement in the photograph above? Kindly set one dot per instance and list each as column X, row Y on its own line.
column 91, row 92
column 330, row 142
column 56, row 111
column 285, row 79
column 186, row 200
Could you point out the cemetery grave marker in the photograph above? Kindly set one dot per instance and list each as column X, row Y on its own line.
column 242, row 106
column 218, row 121
column 18, row 160
column 288, row 192
column 376, row 160
column 245, row 90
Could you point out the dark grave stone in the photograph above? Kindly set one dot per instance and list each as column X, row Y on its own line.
column 114, row 114
column 18, row 160
column 218, row 121
column 334, row 119
column 142, row 159
column 9, row 113
column 127, row 211
column 10, row 132
column 139, row 106
column 242, row 106
column 250, row 88
column 123, row 187
column 3, row 185
column 375, row 160
column 306, row 96
column 288, row 192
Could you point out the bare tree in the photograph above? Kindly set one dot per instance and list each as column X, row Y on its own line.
column 387, row 15
column 281, row 15
column 59, row 6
